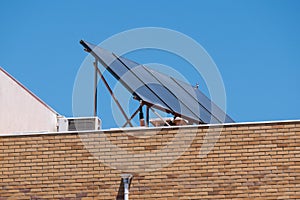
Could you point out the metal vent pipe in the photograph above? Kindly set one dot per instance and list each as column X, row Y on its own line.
column 126, row 181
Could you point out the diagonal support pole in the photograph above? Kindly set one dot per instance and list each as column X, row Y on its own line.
column 158, row 115
column 111, row 92
column 132, row 116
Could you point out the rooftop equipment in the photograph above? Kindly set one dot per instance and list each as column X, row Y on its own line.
column 78, row 124
column 156, row 91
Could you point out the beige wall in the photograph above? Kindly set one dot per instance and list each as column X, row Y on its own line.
column 249, row 161
column 20, row 110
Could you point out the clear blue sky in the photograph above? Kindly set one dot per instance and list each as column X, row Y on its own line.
column 255, row 44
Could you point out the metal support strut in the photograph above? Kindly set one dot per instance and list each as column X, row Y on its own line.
column 158, row 115
column 132, row 116
column 111, row 92
column 95, row 87
column 147, row 116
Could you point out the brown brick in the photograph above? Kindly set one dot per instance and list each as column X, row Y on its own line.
column 256, row 161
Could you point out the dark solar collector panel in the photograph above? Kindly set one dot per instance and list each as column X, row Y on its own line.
column 158, row 90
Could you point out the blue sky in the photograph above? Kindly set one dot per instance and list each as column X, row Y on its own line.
column 255, row 44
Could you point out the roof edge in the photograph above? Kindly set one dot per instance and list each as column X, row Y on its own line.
column 134, row 129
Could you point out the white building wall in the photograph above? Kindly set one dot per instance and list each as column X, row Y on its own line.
column 21, row 111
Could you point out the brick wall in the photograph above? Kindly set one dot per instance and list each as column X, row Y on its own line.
column 251, row 161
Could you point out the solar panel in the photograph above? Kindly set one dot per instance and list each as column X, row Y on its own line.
column 158, row 90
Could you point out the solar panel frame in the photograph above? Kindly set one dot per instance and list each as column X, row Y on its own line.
column 153, row 94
